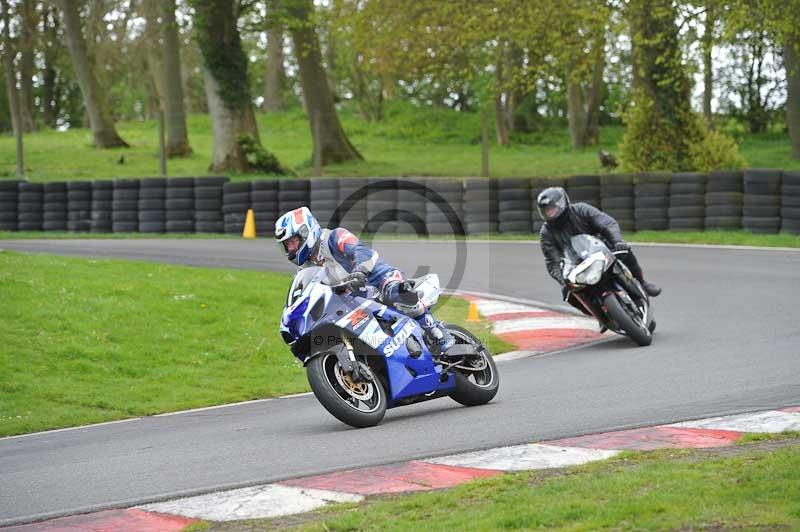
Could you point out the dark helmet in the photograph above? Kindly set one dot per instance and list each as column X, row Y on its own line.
column 552, row 203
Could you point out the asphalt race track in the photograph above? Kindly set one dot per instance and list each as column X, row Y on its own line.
column 728, row 341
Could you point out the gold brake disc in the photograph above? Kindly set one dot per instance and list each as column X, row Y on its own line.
column 360, row 390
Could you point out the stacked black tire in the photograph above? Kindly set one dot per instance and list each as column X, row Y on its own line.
column 9, row 205
column 724, row 194
column 790, row 202
column 480, row 206
column 411, row 209
column 30, row 215
column 102, row 206
column 264, row 202
column 179, row 205
column 352, row 204
column 236, row 200
column 761, row 211
column 687, row 202
column 79, row 206
column 153, row 205
column 584, row 189
column 651, row 201
column 208, row 217
column 514, row 205
column 292, row 194
column 617, row 199
column 445, row 198
column 382, row 206
column 538, row 184
column 125, row 207
column 323, row 199
column 54, row 207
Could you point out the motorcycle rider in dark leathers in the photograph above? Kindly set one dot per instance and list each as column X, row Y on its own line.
column 563, row 220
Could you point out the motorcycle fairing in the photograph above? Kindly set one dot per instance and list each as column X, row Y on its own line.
column 407, row 375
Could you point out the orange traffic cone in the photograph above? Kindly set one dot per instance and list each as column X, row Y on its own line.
column 249, row 225
column 472, row 314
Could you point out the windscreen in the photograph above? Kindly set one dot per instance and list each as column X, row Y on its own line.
column 304, row 277
column 581, row 246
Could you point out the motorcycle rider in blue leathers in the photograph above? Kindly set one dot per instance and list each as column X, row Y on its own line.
column 346, row 259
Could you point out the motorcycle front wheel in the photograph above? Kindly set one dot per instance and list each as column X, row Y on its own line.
column 358, row 404
column 637, row 332
column 478, row 386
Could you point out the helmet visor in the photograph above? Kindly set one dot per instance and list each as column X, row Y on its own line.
column 290, row 246
column 551, row 209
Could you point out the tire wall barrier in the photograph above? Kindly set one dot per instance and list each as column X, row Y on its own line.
column 757, row 200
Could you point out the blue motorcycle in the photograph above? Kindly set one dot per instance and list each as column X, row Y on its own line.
column 362, row 357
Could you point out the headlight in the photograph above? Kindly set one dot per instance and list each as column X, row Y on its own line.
column 592, row 274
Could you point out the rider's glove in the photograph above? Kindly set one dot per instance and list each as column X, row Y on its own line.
column 622, row 246
column 356, row 280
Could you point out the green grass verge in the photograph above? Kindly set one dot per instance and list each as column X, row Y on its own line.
column 85, row 341
column 410, row 141
column 729, row 238
column 754, row 487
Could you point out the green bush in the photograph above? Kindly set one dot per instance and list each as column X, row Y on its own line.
column 717, row 151
column 652, row 142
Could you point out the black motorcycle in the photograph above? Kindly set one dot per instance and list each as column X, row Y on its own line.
column 607, row 289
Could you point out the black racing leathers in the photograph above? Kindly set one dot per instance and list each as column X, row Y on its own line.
column 579, row 219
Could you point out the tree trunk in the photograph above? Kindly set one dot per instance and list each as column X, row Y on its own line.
column 237, row 145
column 334, row 146
column 708, row 74
column 174, row 110
column 576, row 112
column 500, row 126
column 50, row 106
column 11, row 87
column 228, row 124
column 27, row 37
column 594, row 95
column 792, row 62
column 275, row 79
column 103, row 130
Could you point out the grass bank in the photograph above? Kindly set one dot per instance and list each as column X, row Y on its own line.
column 749, row 486
column 85, row 341
column 410, row 141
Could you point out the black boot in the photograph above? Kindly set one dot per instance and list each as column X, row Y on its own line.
column 651, row 289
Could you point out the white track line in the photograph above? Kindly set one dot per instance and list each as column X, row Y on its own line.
column 772, row 421
column 552, row 322
column 257, row 502
column 489, row 307
column 524, row 457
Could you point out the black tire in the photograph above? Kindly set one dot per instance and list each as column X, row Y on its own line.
column 126, row 194
column 209, row 227
column 208, row 216
column 651, row 189
column 514, row 216
column 180, row 193
column 320, row 372
column 6, row 195
column 180, row 182
column 762, row 200
column 687, row 200
column 8, row 216
column 514, row 227
column 761, row 211
column 211, row 181
column 236, row 187
column 153, row 182
column 723, row 222
column 182, row 204
column 152, row 216
column 687, row 212
column 8, row 226
column 654, row 224
column 208, row 193
column 151, row 205
column 179, row 226
column 152, row 194
column 724, row 210
column 180, row 215
column 651, row 202
column 790, row 201
column 125, row 216
column 469, row 392
column 638, row 333
column 686, row 224
column 762, row 225
column 31, row 197
column 725, row 181
column 55, row 197
column 618, row 202
column 79, row 205
column 126, row 205
column 790, row 213
column 60, row 225
column 676, row 189
column 151, row 227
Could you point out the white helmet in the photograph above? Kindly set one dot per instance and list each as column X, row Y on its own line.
column 298, row 223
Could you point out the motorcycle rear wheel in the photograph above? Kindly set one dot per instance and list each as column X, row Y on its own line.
column 359, row 410
column 474, row 388
column 639, row 334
